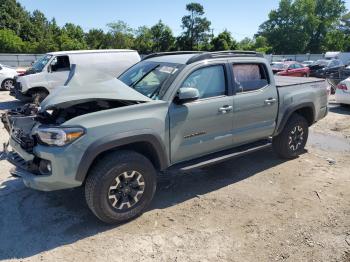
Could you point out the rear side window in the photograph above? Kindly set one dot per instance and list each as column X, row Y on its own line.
column 250, row 77
column 210, row 81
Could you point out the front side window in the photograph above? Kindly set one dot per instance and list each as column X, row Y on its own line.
column 39, row 65
column 210, row 81
column 250, row 77
column 60, row 63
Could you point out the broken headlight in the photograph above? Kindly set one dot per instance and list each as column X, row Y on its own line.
column 57, row 136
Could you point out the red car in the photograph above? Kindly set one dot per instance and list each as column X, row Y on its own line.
column 294, row 69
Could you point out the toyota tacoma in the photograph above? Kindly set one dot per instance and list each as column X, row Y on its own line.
column 179, row 110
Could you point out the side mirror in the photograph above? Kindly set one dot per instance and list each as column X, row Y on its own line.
column 49, row 69
column 187, row 94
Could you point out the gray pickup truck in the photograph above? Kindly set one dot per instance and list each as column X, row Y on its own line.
column 179, row 110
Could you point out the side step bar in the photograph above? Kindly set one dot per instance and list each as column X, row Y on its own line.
column 223, row 156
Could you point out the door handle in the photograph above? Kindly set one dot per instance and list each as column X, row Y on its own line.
column 225, row 109
column 270, row 101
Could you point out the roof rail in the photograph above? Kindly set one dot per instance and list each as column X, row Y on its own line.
column 220, row 54
column 172, row 53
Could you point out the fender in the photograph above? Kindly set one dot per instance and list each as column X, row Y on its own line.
column 290, row 110
column 110, row 142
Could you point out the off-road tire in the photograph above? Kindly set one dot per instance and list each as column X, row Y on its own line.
column 104, row 173
column 282, row 143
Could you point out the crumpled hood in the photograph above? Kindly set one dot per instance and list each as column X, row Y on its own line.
column 90, row 85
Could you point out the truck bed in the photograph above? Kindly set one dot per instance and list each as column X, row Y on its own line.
column 283, row 81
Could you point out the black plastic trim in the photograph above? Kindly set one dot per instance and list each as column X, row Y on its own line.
column 291, row 110
column 113, row 142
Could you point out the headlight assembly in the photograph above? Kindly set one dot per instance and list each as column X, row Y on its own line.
column 57, row 136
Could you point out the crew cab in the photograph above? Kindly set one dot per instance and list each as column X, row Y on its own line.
column 180, row 110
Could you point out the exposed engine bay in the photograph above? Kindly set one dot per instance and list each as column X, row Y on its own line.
column 20, row 122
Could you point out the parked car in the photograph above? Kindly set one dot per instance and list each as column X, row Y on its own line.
column 307, row 63
column 294, row 69
column 53, row 69
column 277, row 67
column 179, row 111
column 342, row 93
column 326, row 68
column 7, row 75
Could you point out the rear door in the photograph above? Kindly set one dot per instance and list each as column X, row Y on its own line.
column 59, row 69
column 255, row 103
column 205, row 125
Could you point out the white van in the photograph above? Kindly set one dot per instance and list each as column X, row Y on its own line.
column 52, row 70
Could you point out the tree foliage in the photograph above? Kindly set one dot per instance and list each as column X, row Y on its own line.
column 224, row 41
column 300, row 26
column 196, row 28
column 296, row 26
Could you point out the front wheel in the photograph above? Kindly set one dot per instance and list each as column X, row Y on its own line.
column 120, row 186
column 7, row 84
column 291, row 142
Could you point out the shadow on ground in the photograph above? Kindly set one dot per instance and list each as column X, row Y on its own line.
column 343, row 110
column 32, row 222
column 10, row 105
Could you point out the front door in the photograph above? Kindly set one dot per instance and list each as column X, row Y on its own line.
column 255, row 104
column 58, row 71
column 205, row 125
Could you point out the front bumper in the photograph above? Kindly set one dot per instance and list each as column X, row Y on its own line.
column 17, row 93
column 61, row 177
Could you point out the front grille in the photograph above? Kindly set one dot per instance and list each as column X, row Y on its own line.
column 25, row 140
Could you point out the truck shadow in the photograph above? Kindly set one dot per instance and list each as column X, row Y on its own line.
column 10, row 105
column 32, row 222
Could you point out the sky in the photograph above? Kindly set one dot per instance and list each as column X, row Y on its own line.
column 241, row 17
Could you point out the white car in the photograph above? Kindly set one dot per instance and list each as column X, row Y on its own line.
column 6, row 77
column 342, row 93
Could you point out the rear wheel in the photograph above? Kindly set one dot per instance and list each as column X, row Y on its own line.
column 120, row 186
column 7, row 84
column 291, row 142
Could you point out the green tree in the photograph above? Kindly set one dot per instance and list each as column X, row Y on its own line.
column 247, row 44
column 162, row 37
column 261, row 45
column 301, row 26
column 14, row 17
column 143, row 40
column 196, row 28
column 10, row 42
column 224, row 41
column 122, row 35
column 95, row 39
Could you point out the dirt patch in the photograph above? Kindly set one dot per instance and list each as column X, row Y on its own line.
column 254, row 208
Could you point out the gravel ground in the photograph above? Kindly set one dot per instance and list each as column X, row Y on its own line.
column 254, row 208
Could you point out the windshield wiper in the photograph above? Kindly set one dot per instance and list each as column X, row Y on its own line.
column 138, row 81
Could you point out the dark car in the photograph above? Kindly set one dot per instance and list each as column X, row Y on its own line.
column 326, row 68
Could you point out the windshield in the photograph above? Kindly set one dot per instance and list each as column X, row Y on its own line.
column 322, row 62
column 39, row 64
column 148, row 77
column 278, row 66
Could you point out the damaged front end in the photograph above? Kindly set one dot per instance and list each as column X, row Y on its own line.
column 19, row 123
